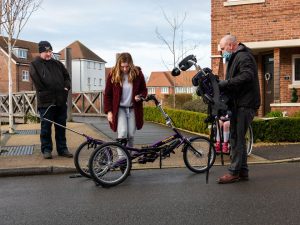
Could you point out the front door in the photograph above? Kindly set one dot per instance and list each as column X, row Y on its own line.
column 268, row 79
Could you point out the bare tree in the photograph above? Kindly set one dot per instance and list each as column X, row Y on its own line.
column 17, row 13
column 176, row 44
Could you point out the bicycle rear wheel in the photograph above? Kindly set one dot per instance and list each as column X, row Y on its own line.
column 110, row 164
column 196, row 158
column 249, row 140
column 82, row 156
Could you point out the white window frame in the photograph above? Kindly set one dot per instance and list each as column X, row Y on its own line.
column 23, row 53
column 242, row 2
column 164, row 90
column 151, row 90
column 293, row 69
column 25, row 75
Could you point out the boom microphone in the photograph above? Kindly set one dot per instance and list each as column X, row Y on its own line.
column 175, row 72
column 187, row 62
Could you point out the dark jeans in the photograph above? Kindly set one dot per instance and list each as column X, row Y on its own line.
column 239, row 123
column 57, row 114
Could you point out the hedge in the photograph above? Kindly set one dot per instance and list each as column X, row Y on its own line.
column 284, row 129
column 187, row 120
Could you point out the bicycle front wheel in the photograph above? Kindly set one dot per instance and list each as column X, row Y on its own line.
column 196, row 155
column 82, row 156
column 249, row 140
column 110, row 164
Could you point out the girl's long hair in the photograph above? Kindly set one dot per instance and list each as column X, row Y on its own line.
column 124, row 57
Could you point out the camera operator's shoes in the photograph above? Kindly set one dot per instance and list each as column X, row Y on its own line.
column 228, row 178
column 218, row 147
column 225, row 148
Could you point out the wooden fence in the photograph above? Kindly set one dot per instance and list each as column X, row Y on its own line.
column 25, row 105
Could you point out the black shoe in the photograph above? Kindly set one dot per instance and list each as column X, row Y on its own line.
column 66, row 154
column 47, row 155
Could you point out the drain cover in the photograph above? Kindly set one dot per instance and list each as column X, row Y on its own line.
column 23, row 132
column 16, row 150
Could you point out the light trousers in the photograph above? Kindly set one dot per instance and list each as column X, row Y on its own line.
column 126, row 124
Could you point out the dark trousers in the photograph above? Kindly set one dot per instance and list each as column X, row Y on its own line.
column 57, row 114
column 239, row 123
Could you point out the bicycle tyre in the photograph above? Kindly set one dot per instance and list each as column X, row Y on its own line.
column 110, row 164
column 249, row 140
column 196, row 162
column 81, row 158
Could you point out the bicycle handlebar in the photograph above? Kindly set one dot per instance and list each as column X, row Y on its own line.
column 157, row 103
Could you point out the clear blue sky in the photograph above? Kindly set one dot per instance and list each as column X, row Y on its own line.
column 109, row 27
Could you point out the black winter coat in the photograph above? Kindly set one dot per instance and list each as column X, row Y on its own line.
column 242, row 75
column 50, row 78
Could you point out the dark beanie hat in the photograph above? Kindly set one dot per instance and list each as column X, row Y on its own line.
column 44, row 46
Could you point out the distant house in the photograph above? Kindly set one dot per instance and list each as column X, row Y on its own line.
column 23, row 53
column 88, row 69
column 162, row 83
column 271, row 29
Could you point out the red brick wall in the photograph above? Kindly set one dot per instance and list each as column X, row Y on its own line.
column 4, row 74
column 269, row 21
column 24, row 85
column 18, row 84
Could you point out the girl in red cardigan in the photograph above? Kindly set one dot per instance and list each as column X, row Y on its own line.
column 124, row 88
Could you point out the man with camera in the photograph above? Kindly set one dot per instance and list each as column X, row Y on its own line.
column 242, row 86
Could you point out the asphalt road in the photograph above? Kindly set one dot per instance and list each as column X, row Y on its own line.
column 167, row 196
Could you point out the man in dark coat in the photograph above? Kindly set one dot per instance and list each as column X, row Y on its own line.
column 242, row 86
column 52, row 83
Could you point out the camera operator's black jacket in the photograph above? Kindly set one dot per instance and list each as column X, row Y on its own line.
column 242, row 75
column 50, row 78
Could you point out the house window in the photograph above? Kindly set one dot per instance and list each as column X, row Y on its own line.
column 296, row 69
column 89, row 81
column 100, row 66
column 242, row 2
column 20, row 53
column 95, row 81
column 151, row 90
column 25, row 75
column 164, row 90
column 100, row 82
column 89, row 65
column 95, row 64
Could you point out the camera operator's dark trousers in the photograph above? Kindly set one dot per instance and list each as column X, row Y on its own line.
column 239, row 123
column 57, row 114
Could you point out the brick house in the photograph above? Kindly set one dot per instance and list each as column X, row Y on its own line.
column 271, row 28
column 88, row 69
column 162, row 83
column 23, row 53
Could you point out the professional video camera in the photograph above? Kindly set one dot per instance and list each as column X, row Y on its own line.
column 207, row 86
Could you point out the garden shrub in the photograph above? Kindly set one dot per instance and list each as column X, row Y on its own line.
column 196, row 105
column 282, row 129
column 275, row 113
